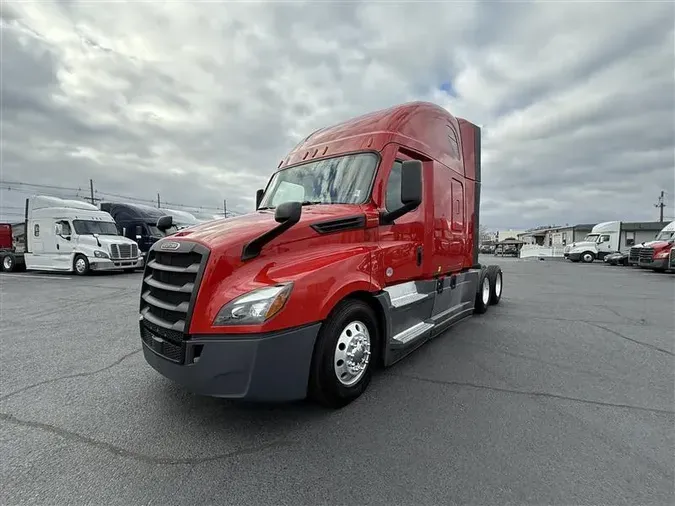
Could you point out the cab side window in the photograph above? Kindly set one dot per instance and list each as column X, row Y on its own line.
column 393, row 193
column 65, row 228
column 604, row 238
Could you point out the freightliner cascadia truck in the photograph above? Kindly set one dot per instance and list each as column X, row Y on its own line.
column 363, row 246
column 656, row 255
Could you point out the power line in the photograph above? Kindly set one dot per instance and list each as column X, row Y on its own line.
column 96, row 195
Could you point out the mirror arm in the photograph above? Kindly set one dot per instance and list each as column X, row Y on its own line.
column 253, row 248
column 387, row 218
column 287, row 215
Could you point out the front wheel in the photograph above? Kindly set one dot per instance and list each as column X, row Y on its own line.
column 587, row 257
column 81, row 265
column 343, row 356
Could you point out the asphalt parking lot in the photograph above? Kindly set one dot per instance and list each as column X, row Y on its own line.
column 562, row 394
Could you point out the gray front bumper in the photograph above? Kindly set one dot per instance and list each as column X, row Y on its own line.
column 272, row 367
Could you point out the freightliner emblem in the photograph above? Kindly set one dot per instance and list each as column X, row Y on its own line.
column 172, row 245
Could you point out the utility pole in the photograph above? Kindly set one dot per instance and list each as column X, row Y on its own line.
column 661, row 204
column 158, row 202
column 225, row 208
column 91, row 198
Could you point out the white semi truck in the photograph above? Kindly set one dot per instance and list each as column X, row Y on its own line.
column 603, row 239
column 607, row 238
column 74, row 236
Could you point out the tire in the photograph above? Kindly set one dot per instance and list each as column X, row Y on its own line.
column 8, row 263
column 81, row 265
column 349, row 321
column 496, row 278
column 483, row 294
column 587, row 257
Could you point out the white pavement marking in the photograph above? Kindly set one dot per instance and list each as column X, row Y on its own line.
column 31, row 276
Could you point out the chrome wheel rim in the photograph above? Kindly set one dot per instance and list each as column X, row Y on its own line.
column 486, row 290
column 587, row 257
column 498, row 284
column 352, row 353
column 80, row 265
column 7, row 263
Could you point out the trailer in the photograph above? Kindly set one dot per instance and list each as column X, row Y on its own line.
column 363, row 247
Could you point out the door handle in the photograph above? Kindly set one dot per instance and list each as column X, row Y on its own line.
column 57, row 246
column 419, row 255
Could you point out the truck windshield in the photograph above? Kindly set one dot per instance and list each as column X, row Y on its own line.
column 88, row 227
column 665, row 235
column 591, row 237
column 155, row 232
column 340, row 180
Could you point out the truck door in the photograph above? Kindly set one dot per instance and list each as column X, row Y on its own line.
column 605, row 246
column 402, row 242
column 64, row 242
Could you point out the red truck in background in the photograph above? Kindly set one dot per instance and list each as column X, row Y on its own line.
column 363, row 246
column 12, row 247
column 658, row 254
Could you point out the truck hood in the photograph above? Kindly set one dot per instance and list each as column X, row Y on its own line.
column 105, row 240
column 582, row 244
column 659, row 245
column 237, row 231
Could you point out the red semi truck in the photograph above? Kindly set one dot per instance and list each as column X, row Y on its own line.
column 656, row 255
column 363, row 246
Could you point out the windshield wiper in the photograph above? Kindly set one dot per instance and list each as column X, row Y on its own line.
column 311, row 202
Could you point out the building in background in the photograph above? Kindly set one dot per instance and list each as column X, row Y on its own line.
column 551, row 236
column 508, row 235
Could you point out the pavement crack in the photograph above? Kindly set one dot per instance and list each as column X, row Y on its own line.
column 533, row 394
column 641, row 343
column 68, row 376
column 123, row 452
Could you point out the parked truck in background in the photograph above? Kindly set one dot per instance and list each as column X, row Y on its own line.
column 656, row 255
column 181, row 219
column 608, row 238
column 143, row 224
column 603, row 239
column 71, row 236
column 12, row 241
column 363, row 247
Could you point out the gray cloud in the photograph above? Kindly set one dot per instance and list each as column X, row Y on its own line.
column 199, row 102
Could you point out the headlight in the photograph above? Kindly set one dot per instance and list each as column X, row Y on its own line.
column 662, row 254
column 254, row 307
column 100, row 254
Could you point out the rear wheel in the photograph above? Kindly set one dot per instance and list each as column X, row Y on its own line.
column 8, row 263
column 494, row 274
column 587, row 257
column 483, row 294
column 81, row 265
column 343, row 356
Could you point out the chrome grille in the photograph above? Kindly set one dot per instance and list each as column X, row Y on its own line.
column 124, row 250
column 170, row 283
column 634, row 254
column 646, row 255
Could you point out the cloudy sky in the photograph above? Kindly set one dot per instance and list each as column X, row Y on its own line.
column 199, row 101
